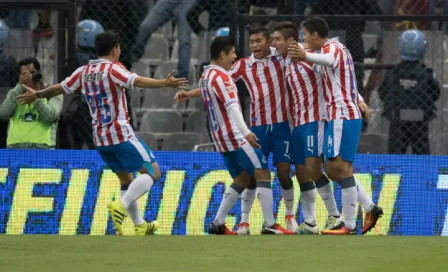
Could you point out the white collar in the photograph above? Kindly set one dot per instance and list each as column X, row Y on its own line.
column 272, row 53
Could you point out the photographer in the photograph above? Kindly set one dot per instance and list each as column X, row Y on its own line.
column 35, row 125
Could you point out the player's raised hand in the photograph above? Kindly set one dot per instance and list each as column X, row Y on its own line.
column 182, row 96
column 28, row 97
column 172, row 82
column 295, row 51
column 252, row 139
column 364, row 108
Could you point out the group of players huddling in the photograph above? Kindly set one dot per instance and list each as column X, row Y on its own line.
column 309, row 87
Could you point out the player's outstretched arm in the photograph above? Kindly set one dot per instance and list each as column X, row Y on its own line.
column 170, row 81
column 184, row 96
column 31, row 95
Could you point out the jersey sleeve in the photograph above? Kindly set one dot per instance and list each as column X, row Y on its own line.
column 237, row 70
column 333, row 52
column 122, row 77
column 225, row 91
column 72, row 83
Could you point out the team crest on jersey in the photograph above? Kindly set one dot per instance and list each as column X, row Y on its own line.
column 230, row 89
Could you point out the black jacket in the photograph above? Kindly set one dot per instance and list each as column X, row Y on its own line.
column 410, row 85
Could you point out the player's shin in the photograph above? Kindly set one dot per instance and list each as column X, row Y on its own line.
column 308, row 202
column 363, row 197
column 247, row 200
column 231, row 195
column 264, row 194
column 349, row 200
column 133, row 210
column 137, row 188
column 323, row 187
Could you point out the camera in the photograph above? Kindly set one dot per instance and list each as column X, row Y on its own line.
column 36, row 76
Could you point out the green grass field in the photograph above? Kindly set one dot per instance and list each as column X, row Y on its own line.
column 212, row 253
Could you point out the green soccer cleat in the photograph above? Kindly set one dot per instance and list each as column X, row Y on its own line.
column 147, row 228
column 118, row 213
column 304, row 228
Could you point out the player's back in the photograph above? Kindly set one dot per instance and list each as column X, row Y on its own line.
column 218, row 92
column 306, row 91
column 104, row 84
column 341, row 90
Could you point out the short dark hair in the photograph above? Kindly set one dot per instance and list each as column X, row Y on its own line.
column 317, row 25
column 105, row 42
column 221, row 44
column 28, row 61
column 288, row 30
column 260, row 30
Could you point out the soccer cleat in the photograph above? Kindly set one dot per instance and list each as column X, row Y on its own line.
column 118, row 213
column 304, row 228
column 220, row 230
column 371, row 218
column 243, row 229
column 343, row 230
column 333, row 222
column 291, row 222
column 276, row 229
column 146, row 228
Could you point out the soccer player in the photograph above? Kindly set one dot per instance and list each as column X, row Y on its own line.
column 104, row 82
column 342, row 132
column 237, row 144
column 308, row 113
column 262, row 72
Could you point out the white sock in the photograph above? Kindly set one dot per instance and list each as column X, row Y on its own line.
column 137, row 188
column 247, row 200
column 264, row 194
column 308, row 201
column 288, row 199
column 134, row 211
column 363, row 197
column 231, row 195
column 349, row 200
column 323, row 187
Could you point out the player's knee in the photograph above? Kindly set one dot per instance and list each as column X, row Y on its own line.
column 314, row 167
column 157, row 174
column 338, row 169
column 284, row 173
column 262, row 175
column 302, row 173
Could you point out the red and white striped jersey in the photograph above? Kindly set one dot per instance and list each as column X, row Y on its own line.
column 341, row 90
column 267, row 87
column 306, row 92
column 104, row 83
column 218, row 93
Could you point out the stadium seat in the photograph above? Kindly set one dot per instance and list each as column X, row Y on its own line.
column 156, row 50
column 161, row 122
column 196, row 122
column 136, row 98
column 180, row 141
column 166, row 67
column 149, row 138
column 208, row 147
column 162, row 98
column 372, row 144
column 141, row 69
